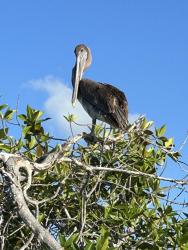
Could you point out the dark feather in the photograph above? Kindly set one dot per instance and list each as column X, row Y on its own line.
column 104, row 102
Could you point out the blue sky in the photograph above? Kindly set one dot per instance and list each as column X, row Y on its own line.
column 140, row 47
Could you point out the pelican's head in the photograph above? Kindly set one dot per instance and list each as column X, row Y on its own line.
column 83, row 61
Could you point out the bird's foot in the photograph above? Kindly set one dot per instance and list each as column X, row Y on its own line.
column 91, row 138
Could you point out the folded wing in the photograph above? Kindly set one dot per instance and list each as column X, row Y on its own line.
column 106, row 101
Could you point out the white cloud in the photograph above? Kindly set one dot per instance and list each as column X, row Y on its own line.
column 59, row 104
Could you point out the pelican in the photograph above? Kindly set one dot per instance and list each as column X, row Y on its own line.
column 100, row 100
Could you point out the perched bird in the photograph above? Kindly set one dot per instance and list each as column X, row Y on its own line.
column 100, row 100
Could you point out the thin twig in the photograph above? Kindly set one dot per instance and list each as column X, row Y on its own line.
column 184, row 142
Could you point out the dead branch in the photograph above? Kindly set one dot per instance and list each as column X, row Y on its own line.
column 12, row 164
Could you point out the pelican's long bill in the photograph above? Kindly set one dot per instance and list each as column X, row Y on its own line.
column 79, row 68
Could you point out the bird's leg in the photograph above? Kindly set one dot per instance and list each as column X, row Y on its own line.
column 93, row 126
column 91, row 138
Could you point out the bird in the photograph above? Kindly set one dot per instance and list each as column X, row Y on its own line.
column 102, row 101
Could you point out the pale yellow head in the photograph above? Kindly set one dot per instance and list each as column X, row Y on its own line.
column 83, row 61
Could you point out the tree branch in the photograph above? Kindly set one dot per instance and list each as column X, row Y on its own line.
column 12, row 164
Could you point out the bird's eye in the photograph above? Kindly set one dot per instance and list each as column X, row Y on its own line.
column 82, row 50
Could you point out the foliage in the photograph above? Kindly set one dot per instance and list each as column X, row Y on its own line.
column 102, row 209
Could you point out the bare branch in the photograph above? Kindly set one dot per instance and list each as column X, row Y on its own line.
column 28, row 242
column 13, row 163
column 131, row 172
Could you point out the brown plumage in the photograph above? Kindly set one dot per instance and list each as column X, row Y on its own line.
column 101, row 101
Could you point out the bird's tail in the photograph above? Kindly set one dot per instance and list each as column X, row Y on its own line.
column 122, row 119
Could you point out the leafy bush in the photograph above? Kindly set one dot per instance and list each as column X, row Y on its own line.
column 102, row 194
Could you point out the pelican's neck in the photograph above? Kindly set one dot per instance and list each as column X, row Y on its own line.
column 89, row 59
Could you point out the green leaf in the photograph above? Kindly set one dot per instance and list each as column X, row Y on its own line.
column 37, row 115
column 168, row 210
column 184, row 238
column 70, row 240
column 174, row 155
column 160, row 131
column 45, row 119
column 163, row 138
column 169, row 143
column 26, row 130
column 147, row 245
column 41, row 217
column 32, row 143
column 39, row 151
column 184, row 246
column 70, row 118
column 103, row 242
column 90, row 246
column 22, row 117
column 148, row 132
column 3, row 106
column 8, row 114
column 146, row 124
column 3, row 133
column 62, row 239
column 106, row 211
column 19, row 144
column 29, row 112
column 98, row 129
column 4, row 147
